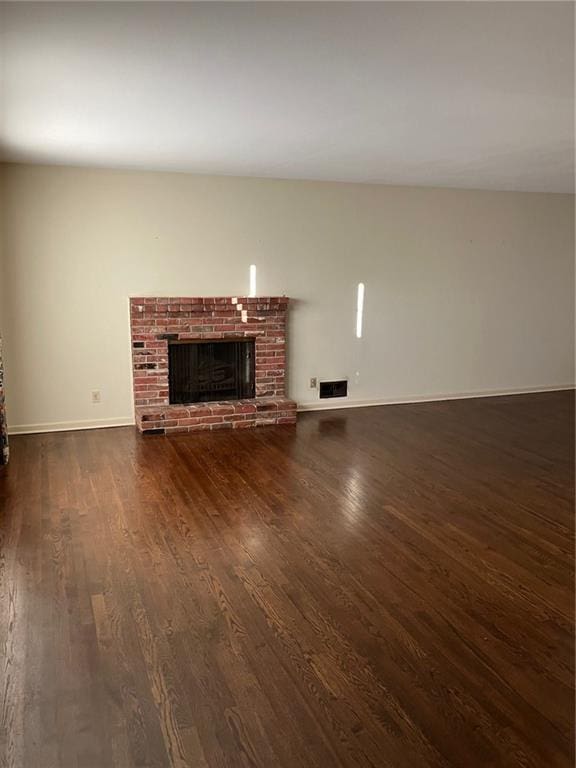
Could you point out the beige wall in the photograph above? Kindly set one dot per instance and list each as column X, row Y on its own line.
column 465, row 291
column 2, row 259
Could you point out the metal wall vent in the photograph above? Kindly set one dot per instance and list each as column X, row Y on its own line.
column 337, row 388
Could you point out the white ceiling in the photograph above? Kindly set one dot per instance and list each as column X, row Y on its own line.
column 448, row 94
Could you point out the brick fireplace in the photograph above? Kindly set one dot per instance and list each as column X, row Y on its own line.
column 158, row 324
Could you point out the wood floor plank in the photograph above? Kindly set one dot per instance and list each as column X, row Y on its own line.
column 384, row 587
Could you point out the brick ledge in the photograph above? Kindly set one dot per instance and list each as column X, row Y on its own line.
column 231, row 414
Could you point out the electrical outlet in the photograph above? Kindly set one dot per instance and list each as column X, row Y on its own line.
column 313, row 382
column 95, row 395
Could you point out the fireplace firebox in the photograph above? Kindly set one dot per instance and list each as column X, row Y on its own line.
column 205, row 371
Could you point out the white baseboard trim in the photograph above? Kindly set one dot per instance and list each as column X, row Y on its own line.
column 338, row 403
column 316, row 405
column 70, row 426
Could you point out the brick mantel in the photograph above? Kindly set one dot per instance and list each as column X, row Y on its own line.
column 155, row 321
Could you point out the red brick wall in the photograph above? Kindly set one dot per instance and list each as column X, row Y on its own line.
column 156, row 321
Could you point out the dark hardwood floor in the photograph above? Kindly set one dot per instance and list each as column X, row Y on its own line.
column 387, row 587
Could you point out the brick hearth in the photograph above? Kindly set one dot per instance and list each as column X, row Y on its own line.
column 155, row 322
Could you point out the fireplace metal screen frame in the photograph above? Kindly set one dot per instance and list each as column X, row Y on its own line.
column 244, row 367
